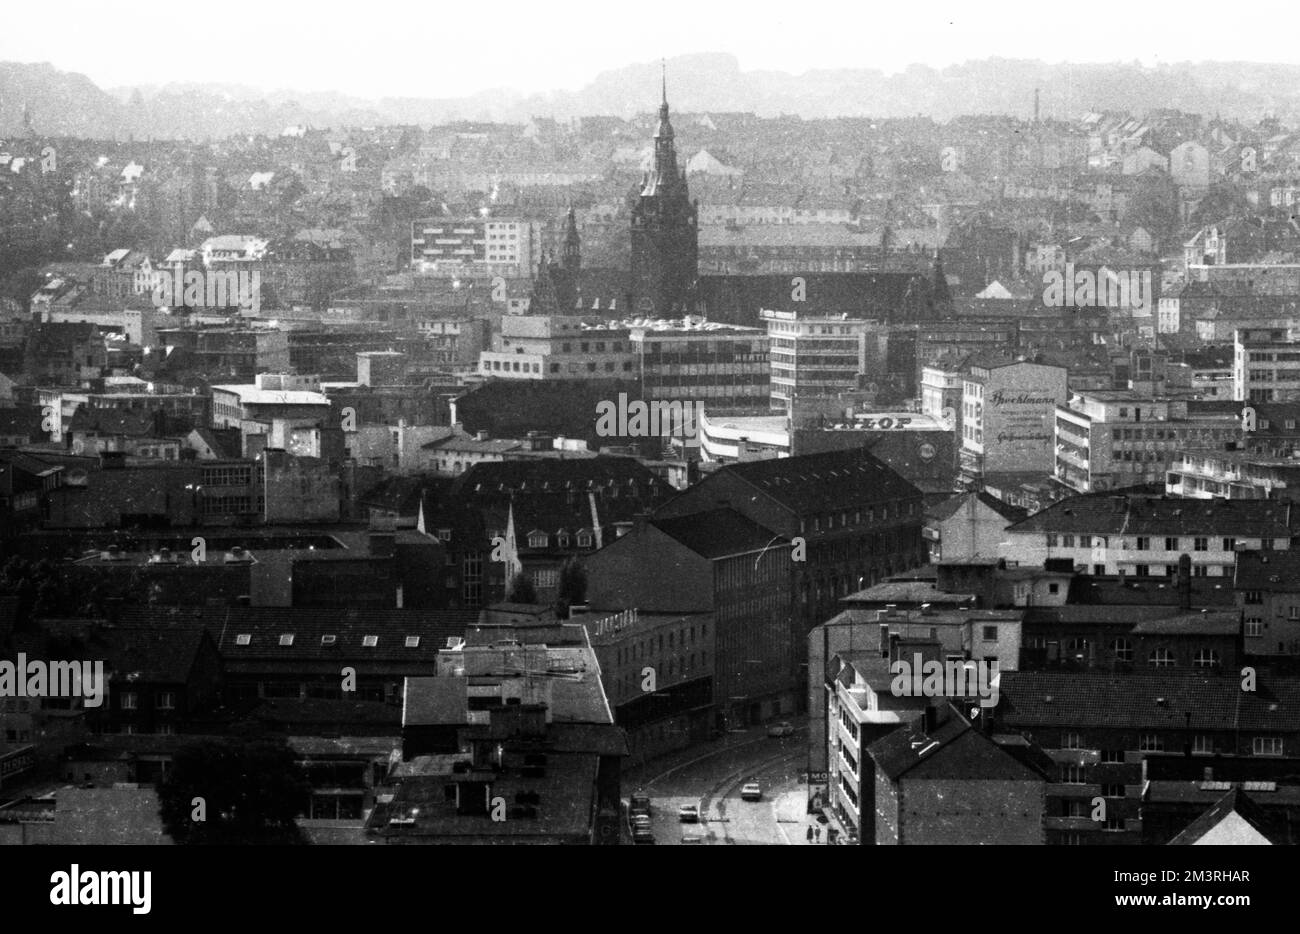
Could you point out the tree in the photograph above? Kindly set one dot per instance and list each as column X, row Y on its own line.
column 233, row 791
column 572, row 587
column 521, row 589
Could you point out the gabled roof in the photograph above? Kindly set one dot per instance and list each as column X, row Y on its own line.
column 951, row 506
column 1235, row 819
column 953, row 750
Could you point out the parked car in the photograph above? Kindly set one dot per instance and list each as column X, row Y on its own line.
column 784, row 728
column 639, row 804
column 642, row 835
column 692, row 837
column 689, row 813
column 751, row 791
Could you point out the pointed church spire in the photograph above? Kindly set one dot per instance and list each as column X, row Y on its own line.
column 663, row 65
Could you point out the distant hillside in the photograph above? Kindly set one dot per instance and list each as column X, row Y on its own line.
column 68, row 103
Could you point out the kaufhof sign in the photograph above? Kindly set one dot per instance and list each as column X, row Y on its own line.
column 897, row 421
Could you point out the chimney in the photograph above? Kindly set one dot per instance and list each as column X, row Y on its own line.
column 931, row 718
column 884, row 640
column 382, row 544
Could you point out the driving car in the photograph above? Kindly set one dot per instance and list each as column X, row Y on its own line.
column 784, row 728
column 689, row 813
column 751, row 791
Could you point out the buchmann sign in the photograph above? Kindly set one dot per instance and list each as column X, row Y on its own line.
column 1016, row 416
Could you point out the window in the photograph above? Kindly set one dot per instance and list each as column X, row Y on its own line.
column 584, row 539
column 1229, row 544
column 369, row 642
column 1266, row 745
column 1161, row 658
column 1201, row 544
column 1071, row 740
column 1114, row 823
column 1206, row 658
column 1112, row 756
column 286, row 639
column 1254, row 627
column 990, row 633
column 328, row 640
column 1072, row 774
column 1171, row 544
column 1112, row 791
column 1254, row 596
column 1151, row 742
column 167, row 700
column 537, row 539
column 1143, row 543
column 244, row 638
column 1051, row 541
column 1122, row 649
column 1203, row 745
column 129, row 701
column 1053, row 588
column 412, row 642
column 1067, row 541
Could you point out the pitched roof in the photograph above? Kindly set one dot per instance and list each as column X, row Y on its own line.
column 1119, row 513
column 953, row 750
column 826, row 481
column 719, row 533
column 1148, row 699
column 350, row 627
column 1272, row 571
column 949, row 507
column 1223, row 823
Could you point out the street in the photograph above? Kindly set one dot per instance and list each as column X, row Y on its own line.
column 713, row 779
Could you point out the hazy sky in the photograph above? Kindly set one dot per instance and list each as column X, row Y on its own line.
column 437, row 48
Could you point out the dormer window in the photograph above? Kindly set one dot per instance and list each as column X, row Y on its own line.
column 584, row 539
column 537, row 539
column 286, row 639
column 563, row 540
column 244, row 638
column 369, row 642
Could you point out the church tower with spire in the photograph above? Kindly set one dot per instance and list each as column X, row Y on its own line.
column 665, row 237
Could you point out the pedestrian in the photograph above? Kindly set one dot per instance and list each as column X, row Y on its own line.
column 810, row 833
column 818, row 834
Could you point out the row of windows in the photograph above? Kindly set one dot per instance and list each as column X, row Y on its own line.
column 163, row 700
column 1144, row 542
column 898, row 509
column 542, row 540
column 1202, row 744
column 646, row 647
column 1122, row 650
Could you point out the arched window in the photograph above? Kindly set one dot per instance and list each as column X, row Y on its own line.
column 1206, row 658
column 1161, row 658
